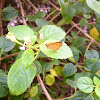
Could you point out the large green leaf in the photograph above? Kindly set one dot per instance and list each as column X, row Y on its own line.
column 9, row 13
column 97, row 91
column 27, row 57
column 85, row 84
column 21, row 32
column 5, row 44
column 52, row 32
column 93, row 4
column 20, row 77
column 69, row 69
column 96, row 80
column 63, row 52
column 3, row 84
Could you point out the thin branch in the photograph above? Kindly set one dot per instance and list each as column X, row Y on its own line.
column 69, row 30
column 22, row 12
column 32, row 5
column 85, row 33
column 43, row 88
column 9, row 56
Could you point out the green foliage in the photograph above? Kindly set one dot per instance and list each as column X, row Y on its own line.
column 3, row 84
column 20, row 77
column 9, row 13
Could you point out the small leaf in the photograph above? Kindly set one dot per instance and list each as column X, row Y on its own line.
column 96, row 81
column 56, row 61
column 88, row 63
column 96, row 67
column 52, row 32
column 71, row 83
column 83, row 22
column 96, row 97
column 9, row 13
column 34, row 91
column 3, row 84
column 38, row 67
column 20, row 78
column 92, row 54
column 5, row 44
column 53, row 72
column 27, row 57
column 63, row 52
column 69, row 69
column 94, row 33
column 78, row 95
column 49, row 79
column 39, row 14
column 93, row 4
column 41, row 22
column 85, row 84
column 46, row 66
column 97, row 91
column 34, row 98
column 58, row 70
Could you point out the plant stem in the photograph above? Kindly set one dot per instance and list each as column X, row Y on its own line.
column 43, row 88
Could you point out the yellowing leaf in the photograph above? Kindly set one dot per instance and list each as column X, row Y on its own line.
column 34, row 91
column 49, row 79
column 94, row 33
column 58, row 70
column 53, row 72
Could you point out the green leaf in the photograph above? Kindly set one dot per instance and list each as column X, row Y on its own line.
column 71, row 83
column 78, row 95
column 74, row 34
column 41, row 22
column 88, row 63
column 68, row 37
column 58, row 70
column 9, row 13
column 93, row 4
column 5, row 44
column 56, row 61
column 39, row 14
column 83, row 22
column 75, row 52
column 92, row 54
column 63, row 52
column 97, row 91
column 67, row 11
column 20, row 78
column 85, row 84
column 69, row 69
column 96, row 81
column 46, row 66
column 96, row 67
column 34, row 91
column 19, row 55
column 38, row 67
column 34, row 98
column 20, row 97
column 3, row 84
column 21, row 32
column 27, row 57
column 96, row 97
column 52, row 32
column 79, row 42
column 82, row 74
column 49, row 79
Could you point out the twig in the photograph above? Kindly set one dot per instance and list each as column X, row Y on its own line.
column 84, row 33
column 69, row 30
column 54, row 5
column 1, row 27
column 9, row 56
column 43, row 88
column 50, row 14
column 22, row 12
column 32, row 5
